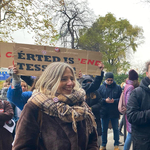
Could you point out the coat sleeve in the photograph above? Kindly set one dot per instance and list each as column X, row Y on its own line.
column 95, row 84
column 17, row 97
column 27, row 130
column 28, row 79
column 92, row 145
column 135, row 115
column 116, row 100
column 8, row 112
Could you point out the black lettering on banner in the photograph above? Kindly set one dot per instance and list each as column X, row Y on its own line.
column 43, row 67
column 29, row 67
column 21, row 65
column 30, row 57
column 21, row 55
column 71, row 60
column 37, row 67
column 65, row 59
column 47, row 58
column 56, row 59
column 39, row 57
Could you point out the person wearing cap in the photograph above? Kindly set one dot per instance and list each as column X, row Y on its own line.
column 110, row 93
column 138, row 113
column 93, row 98
column 131, row 83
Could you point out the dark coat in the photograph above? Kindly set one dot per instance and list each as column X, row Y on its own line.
column 6, row 138
column 110, row 110
column 93, row 98
column 138, row 114
column 55, row 134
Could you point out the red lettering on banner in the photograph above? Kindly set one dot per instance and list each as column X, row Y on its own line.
column 90, row 61
column 9, row 54
column 83, row 61
column 97, row 62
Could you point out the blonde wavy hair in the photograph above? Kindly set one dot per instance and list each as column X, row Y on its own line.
column 50, row 79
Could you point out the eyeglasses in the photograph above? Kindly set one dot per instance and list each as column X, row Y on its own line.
column 109, row 80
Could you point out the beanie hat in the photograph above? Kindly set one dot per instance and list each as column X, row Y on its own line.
column 109, row 75
column 133, row 75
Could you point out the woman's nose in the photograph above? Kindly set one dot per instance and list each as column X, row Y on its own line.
column 69, row 82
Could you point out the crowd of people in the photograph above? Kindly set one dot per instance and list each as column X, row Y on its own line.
column 60, row 111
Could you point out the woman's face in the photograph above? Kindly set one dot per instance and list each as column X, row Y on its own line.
column 67, row 82
column 24, row 86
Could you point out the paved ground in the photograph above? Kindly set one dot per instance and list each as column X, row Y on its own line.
column 110, row 144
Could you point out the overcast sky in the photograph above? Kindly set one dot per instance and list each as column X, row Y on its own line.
column 136, row 12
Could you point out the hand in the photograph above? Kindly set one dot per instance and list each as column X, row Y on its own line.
column 112, row 100
column 108, row 100
column 80, row 74
column 101, row 66
column 13, row 68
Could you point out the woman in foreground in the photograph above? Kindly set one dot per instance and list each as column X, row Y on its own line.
column 56, row 116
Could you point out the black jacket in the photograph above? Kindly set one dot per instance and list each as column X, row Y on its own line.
column 110, row 110
column 138, row 114
column 93, row 98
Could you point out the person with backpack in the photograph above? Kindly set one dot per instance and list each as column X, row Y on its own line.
column 138, row 113
column 131, row 83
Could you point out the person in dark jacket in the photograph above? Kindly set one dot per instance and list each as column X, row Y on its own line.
column 93, row 98
column 110, row 93
column 138, row 113
column 6, row 113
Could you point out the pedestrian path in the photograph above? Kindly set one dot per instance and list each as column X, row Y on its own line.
column 110, row 143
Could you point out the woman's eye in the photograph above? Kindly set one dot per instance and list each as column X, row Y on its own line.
column 63, row 79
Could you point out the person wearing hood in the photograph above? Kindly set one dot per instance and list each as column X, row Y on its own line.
column 110, row 93
column 138, row 113
column 93, row 98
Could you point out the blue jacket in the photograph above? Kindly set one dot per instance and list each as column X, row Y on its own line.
column 17, row 97
column 110, row 110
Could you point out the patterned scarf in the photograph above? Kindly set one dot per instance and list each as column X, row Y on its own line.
column 69, row 108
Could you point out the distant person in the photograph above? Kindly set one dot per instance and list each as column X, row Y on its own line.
column 138, row 113
column 131, row 83
column 110, row 93
column 6, row 113
column 4, row 89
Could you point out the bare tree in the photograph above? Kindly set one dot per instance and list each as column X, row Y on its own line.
column 73, row 16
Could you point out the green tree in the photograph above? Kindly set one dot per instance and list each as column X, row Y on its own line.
column 33, row 15
column 115, row 39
